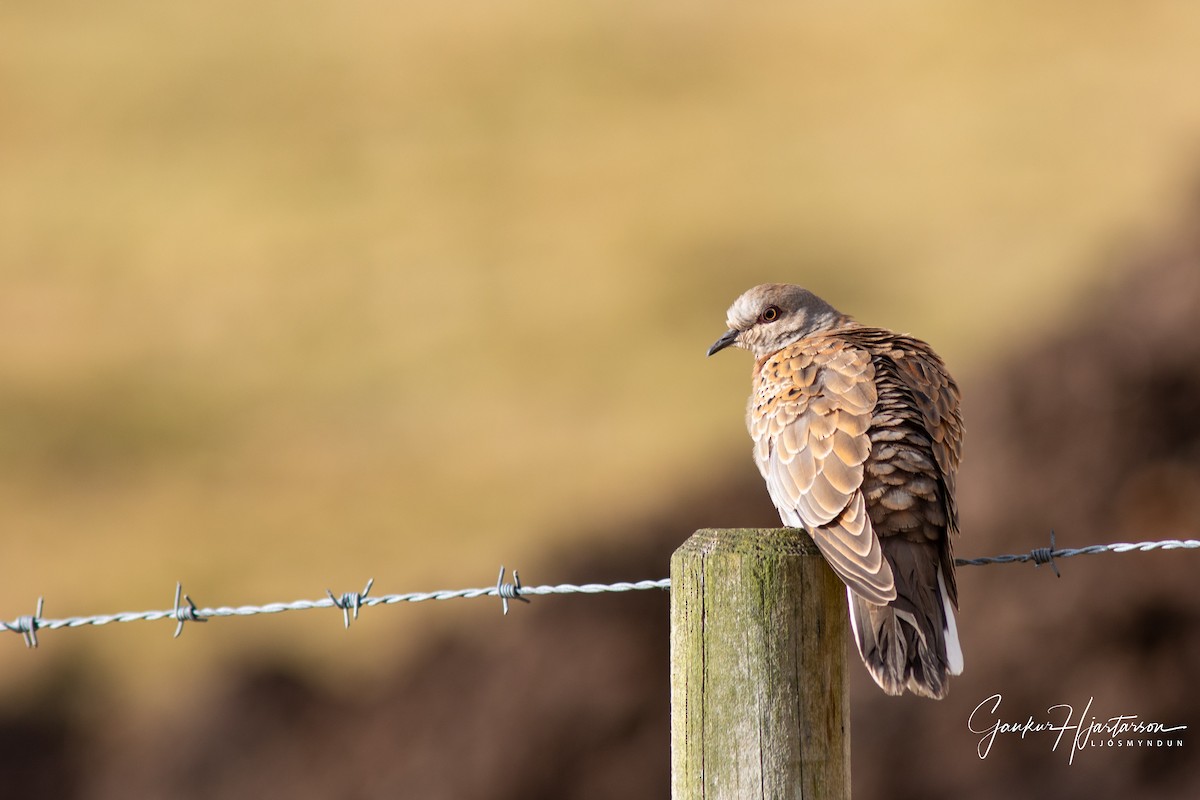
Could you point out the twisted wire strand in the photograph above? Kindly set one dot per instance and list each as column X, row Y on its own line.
column 198, row 614
column 1044, row 555
column 28, row 625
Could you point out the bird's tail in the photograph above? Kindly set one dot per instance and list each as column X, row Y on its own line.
column 912, row 642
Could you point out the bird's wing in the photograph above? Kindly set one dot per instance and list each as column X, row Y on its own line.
column 936, row 396
column 809, row 419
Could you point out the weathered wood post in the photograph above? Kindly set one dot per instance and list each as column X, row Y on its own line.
column 759, row 705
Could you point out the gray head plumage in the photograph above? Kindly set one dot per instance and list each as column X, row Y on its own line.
column 769, row 317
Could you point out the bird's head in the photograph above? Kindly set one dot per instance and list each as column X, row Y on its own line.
column 772, row 316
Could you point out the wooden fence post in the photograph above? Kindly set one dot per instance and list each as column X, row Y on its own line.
column 759, row 704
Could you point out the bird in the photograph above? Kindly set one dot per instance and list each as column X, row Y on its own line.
column 857, row 432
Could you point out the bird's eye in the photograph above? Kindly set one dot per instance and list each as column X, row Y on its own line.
column 769, row 314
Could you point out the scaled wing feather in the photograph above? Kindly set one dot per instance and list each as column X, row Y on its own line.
column 809, row 420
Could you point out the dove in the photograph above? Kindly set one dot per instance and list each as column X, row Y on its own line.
column 858, row 434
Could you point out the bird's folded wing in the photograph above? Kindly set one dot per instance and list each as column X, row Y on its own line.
column 809, row 422
column 937, row 397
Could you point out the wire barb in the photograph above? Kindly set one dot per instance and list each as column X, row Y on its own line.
column 182, row 613
column 27, row 625
column 509, row 591
column 1045, row 555
column 350, row 601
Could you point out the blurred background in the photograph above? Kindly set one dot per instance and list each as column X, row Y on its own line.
column 297, row 295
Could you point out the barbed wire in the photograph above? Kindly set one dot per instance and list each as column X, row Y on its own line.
column 184, row 610
column 1046, row 555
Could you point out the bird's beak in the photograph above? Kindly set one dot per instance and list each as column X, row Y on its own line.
column 729, row 338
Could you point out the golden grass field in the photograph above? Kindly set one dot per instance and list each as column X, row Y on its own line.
column 298, row 294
